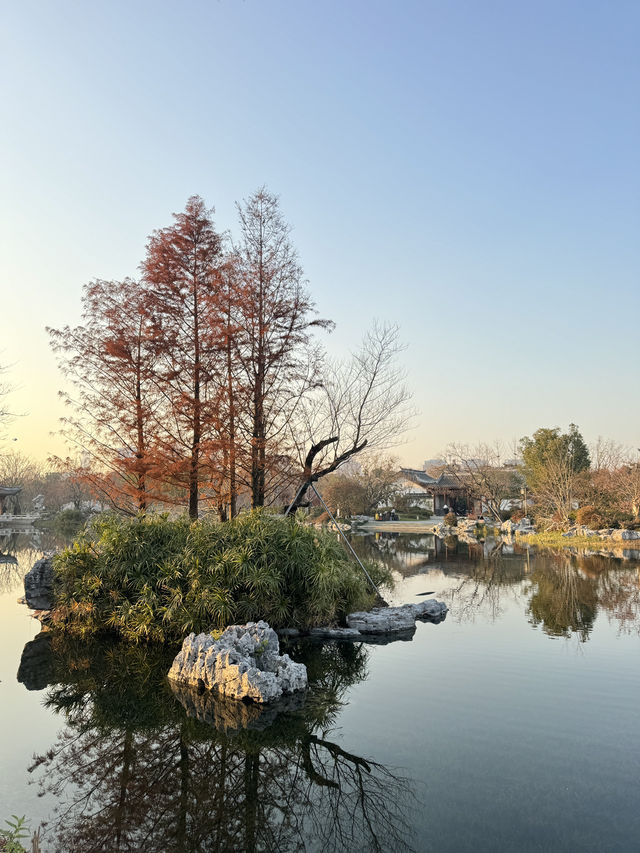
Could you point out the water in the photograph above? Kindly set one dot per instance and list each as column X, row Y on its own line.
column 512, row 725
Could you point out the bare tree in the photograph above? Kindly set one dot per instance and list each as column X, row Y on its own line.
column 362, row 403
column 275, row 317
column 478, row 468
column 6, row 415
column 607, row 455
column 373, row 483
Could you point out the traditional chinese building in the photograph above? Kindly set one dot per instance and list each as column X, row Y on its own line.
column 435, row 493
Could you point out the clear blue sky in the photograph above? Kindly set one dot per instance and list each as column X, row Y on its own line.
column 467, row 169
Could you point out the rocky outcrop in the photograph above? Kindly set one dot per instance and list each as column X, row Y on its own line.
column 245, row 663
column 509, row 527
column 625, row 535
column 38, row 585
column 397, row 620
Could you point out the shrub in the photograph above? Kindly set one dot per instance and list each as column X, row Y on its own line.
column 517, row 515
column 588, row 516
column 10, row 838
column 69, row 521
column 159, row 579
column 451, row 519
column 419, row 511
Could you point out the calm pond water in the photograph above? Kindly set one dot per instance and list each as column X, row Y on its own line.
column 510, row 726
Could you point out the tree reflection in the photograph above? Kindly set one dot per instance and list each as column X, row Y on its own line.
column 564, row 602
column 20, row 547
column 132, row 771
column 484, row 587
column 562, row 592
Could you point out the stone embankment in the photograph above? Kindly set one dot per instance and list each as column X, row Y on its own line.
column 610, row 533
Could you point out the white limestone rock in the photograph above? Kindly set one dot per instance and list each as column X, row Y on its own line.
column 392, row 620
column 243, row 664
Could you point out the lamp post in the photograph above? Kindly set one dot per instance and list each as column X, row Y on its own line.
column 523, row 492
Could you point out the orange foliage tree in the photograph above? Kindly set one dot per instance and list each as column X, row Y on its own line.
column 109, row 363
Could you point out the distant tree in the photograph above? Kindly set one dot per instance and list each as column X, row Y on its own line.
column 371, row 484
column 344, row 494
column 276, row 358
column 362, row 403
column 552, row 462
column 5, row 414
column 181, row 275
column 478, row 468
column 114, row 407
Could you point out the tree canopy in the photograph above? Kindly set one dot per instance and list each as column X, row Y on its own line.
column 552, row 462
column 202, row 382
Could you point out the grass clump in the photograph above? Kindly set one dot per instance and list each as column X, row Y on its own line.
column 154, row 578
column 555, row 539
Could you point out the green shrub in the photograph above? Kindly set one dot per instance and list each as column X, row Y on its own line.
column 420, row 512
column 451, row 519
column 10, row 838
column 159, row 579
column 69, row 521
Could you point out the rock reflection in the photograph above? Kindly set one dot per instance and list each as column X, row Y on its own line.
column 132, row 771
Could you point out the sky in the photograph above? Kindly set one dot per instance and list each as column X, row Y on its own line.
column 468, row 170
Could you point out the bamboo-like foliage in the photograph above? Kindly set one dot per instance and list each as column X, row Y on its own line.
column 157, row 579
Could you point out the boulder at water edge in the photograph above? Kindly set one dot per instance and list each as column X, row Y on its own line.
column 392, row 620
column 38, row 585
column 244, row 663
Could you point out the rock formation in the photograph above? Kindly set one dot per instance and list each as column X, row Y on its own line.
column 244, row 663
column 38, row 585
column 392, row 620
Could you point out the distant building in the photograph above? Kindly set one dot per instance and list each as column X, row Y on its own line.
column 421, row 489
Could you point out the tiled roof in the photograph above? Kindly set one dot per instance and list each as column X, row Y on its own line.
column 423, row 479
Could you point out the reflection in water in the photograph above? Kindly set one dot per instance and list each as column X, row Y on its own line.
column 406, row 553
column 20, row 547
column 564, row 601
column 561, row 592
column 132, row 771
